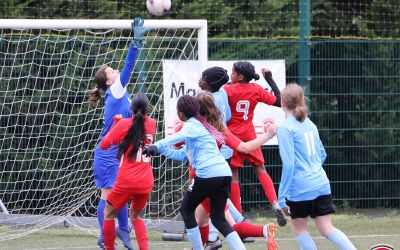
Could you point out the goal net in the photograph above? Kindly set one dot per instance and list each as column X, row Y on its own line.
column 49, row 131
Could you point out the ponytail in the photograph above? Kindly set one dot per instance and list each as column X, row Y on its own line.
column 100, row 77
column 95, row 95
column 294, row 100
column 300, row 112
column 210, row 111
column 190, row 107
column 135, row 136
column 218, row 136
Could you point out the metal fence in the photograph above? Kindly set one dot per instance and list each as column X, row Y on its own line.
column 354, row 89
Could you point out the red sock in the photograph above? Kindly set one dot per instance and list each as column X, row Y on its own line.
column 204, row 231
column 141, row 234
column 268, row 186
column 235, row 196
column 245, row 229
column 109, row 234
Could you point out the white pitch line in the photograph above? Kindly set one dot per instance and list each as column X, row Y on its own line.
column 185, row 242
column 350, row 236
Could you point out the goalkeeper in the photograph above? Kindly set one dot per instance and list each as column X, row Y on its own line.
column 113, row 85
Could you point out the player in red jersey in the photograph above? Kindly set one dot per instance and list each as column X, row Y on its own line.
column 243, row 97
column 135, row 179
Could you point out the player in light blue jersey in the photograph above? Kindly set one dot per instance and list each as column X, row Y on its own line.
column 304, row 189
column 113, row 85
column 212, row 79
column 213, row 174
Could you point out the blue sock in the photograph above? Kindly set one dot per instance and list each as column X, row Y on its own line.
column 234, row 241
column 123, row 218
column 213, row 234
column 236, row 215
column 195, row 238
column 100, row 213
column 340, row 240
column 306, row 242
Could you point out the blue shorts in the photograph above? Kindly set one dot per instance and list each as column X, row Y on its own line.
column 105, row 166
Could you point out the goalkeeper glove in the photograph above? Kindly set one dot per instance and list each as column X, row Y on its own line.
column 150, row 150
column 138, row 31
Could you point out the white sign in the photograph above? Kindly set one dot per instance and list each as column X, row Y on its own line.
column 182, row 78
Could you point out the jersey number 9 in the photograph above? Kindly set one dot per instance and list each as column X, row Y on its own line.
column 243, row 106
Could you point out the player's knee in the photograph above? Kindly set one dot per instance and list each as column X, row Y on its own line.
column 134, row 214
column 184, row 212
column 223, row 226
column 218, row 219
column 104, row 193
column 109, row 212
column 259, row 169
column 188, row 217
column 325, row 231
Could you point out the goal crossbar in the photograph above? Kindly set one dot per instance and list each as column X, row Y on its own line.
column 199, row 24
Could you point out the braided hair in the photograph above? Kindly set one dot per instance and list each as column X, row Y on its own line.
column 190, row 107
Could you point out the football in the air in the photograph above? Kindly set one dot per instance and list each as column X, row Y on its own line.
column 158, row 7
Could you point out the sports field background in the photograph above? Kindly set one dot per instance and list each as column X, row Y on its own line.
column 346, row 54
column 365, row 228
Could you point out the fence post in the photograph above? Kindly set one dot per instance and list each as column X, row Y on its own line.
column 304, row 74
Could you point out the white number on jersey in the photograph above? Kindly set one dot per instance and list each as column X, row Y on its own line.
column 139, row 155
column 243, row 106
column 309, row 136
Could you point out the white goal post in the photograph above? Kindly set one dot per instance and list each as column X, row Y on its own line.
column 200, row 25
column 49, row 131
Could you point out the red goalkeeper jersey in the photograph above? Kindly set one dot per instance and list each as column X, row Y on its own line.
column 136, row 173
column 243, row 99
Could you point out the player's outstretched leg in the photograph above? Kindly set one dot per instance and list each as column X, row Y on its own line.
column 270, row 193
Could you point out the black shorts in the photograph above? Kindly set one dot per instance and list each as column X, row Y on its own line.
column 320, row 206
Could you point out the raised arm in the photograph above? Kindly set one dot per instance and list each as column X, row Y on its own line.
column 138, row 33
column 277, row 93
column 187, row 131
column 174, row 154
